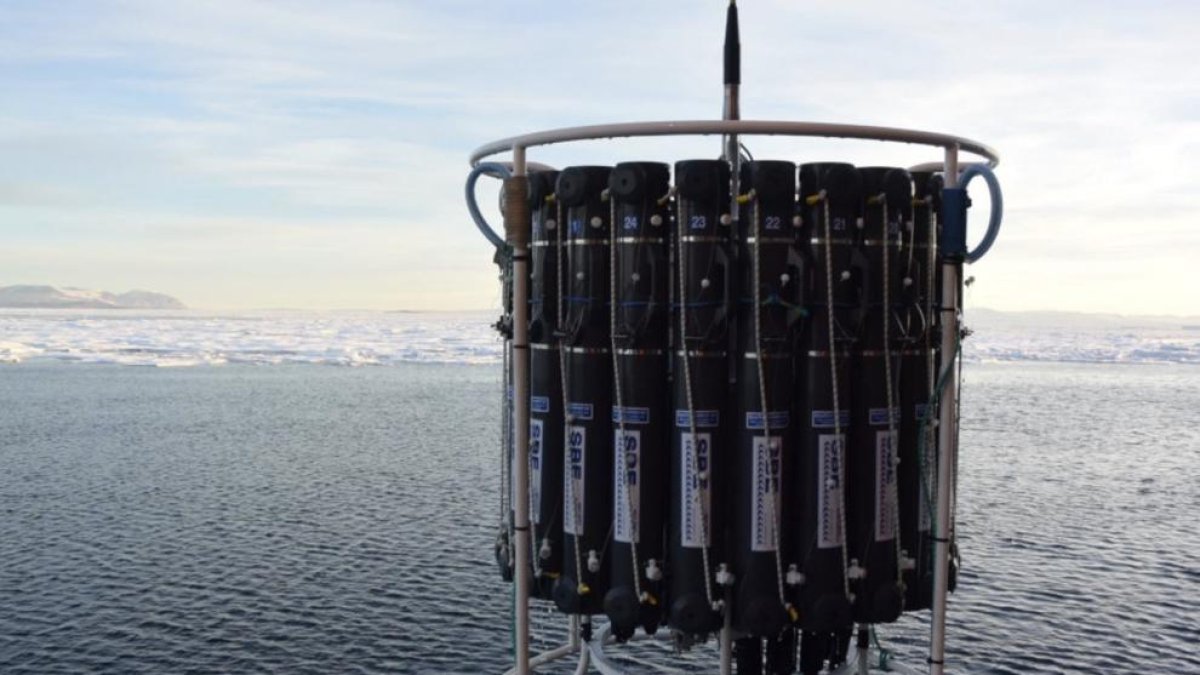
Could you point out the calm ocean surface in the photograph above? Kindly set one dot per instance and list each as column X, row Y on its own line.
column 323, row 519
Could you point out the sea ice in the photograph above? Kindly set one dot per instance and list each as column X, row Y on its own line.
column 193, row 337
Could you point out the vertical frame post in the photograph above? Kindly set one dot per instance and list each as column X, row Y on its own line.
column 947, row 438
column 517, row 230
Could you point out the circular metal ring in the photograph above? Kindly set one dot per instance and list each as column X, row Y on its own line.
column 734, row 127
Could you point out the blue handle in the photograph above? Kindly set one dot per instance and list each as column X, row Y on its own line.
column 491, row 169
column 993, row 229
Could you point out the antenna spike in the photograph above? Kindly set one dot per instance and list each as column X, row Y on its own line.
column 733, row 46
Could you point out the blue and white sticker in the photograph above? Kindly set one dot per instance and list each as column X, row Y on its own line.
column 580, row 412
column 823, row 419
column 885, row 486
column 631, row 415
column 878, row 417
column 695, row 456
column 705, row 419
column 536, row 460
column 627, row 497
column 573, row 473
column 829, row 493
column 776, row 419
column 539, row 404
column 765, row 507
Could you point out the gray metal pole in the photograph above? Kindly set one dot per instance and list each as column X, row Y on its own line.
column 517, row 229
column 732, row 154
column 947, row 440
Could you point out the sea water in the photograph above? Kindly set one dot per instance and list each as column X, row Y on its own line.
column 309, row 518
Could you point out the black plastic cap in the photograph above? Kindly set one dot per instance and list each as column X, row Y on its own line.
column 928, row 184
column 705, row 181
column 894, row 182
column 925, row 183
column 693, row 615
column 566, row 595
column 830, row 613
column 634, row 182
column 576, row 185
column 541, row 185
column 772, row 180
column 887, row 604
column 840, row 181
column 763, row 617
column 622, row 608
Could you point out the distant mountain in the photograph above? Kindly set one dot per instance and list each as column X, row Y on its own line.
column 50, row 297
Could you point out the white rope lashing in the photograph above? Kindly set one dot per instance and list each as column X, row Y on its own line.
column 619, row 445
column 775, row 484
column 681, row 266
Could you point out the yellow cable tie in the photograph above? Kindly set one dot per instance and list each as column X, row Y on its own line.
column 651, row 600
column 550, row 198
column 791, row 610
column 813, row 200
column 745, row 199
column 877, row 199
column 583, row 589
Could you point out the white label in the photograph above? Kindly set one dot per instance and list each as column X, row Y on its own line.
column 536, row 459
column 829, row 492
column 765, row 507
column 885, row 486
column 697, row 498
column 627, row 448
column 573, row 480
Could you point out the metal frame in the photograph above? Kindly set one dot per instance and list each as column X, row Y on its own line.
column 730, row 128
column 733, row 127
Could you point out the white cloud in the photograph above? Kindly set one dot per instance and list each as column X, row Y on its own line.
column 275, row 125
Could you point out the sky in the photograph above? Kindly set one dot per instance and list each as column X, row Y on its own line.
column 246, row 154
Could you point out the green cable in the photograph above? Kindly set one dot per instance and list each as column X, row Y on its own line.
column 885, row 655
column 513, row 595
column 933, row 403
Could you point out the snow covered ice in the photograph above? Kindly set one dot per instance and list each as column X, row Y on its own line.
column 191, row 337
column 194, row 337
